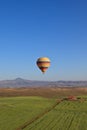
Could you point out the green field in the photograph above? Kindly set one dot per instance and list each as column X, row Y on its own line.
column 15, row 111
column 67, row 115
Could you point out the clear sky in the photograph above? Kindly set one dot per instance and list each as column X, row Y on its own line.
column 35, row 28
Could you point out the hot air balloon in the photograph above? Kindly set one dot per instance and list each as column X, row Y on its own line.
column 43, row 63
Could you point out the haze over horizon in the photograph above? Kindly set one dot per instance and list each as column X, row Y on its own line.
column 21, row 79
column 52, row 28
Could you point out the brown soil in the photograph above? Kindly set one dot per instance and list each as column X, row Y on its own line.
column 44, row 92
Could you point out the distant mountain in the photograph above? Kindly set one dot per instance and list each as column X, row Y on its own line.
column 19, row 82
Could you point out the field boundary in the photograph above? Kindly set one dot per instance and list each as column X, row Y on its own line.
column 38, row 116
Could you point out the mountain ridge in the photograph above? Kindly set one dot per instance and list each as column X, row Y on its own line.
column 19, row 82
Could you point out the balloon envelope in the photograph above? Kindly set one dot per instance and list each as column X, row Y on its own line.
column 43, row 63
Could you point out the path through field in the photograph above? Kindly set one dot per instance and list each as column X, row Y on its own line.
column 38, row 117
column 37, row 113
column 67, row 115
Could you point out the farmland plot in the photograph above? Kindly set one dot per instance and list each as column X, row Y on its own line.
column 68, row 115
column 15, row 111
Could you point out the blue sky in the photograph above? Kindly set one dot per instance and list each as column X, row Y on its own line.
column 34, row 28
